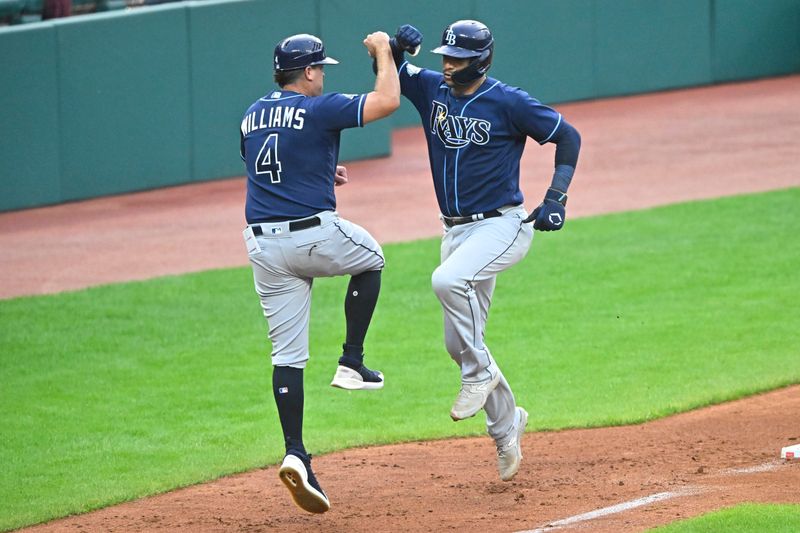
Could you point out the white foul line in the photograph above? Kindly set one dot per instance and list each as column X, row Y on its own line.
column 766, row 467
column 632, row 504
column 619, row 508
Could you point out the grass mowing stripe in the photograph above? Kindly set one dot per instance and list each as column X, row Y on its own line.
column 120, row 391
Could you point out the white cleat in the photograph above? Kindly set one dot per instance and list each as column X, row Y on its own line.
column 472, row 397
column 509, row 455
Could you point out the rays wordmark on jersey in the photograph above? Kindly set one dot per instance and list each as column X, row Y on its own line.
column 457, row 131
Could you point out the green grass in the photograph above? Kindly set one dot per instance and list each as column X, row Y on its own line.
column 122, row 391
column 749, row 518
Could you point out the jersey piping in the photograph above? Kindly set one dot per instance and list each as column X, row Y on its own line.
column 361, row 111
column 455, row 166
column 558, row 123
column 281, row 98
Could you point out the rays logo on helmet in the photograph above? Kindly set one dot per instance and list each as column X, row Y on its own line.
column 457, row 131
column 450, row 37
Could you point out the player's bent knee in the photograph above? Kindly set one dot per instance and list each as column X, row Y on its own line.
column 444, row 283
column 290, row 359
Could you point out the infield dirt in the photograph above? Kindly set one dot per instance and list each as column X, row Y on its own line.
column 639, row 151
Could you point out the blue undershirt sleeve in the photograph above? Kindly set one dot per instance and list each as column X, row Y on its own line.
column 568, row 146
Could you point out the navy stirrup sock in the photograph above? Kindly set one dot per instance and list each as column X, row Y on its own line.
column 359, row 305
column 287, row 387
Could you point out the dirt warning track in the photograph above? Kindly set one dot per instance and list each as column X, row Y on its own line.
column 639, row 151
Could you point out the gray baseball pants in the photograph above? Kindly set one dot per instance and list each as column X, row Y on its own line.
column 472, row 255
column 285, row 264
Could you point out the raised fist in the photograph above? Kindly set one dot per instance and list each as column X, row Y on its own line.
column 408, row 39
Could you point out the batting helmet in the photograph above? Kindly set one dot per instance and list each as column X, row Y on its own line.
column 468, row 39
column 300, row 51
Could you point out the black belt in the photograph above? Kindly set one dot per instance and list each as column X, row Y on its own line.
column 294, row 225
column 455, row 221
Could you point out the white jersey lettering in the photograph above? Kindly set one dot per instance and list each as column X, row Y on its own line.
column 275, row 121
column 288, row 116
column 457, row 131
column 299, row 120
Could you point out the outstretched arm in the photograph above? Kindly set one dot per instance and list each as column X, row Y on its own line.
column 385, row 98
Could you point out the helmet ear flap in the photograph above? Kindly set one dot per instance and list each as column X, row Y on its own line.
column 475, row 69
column 485, row 60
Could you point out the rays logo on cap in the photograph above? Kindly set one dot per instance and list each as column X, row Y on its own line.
column 450, row 37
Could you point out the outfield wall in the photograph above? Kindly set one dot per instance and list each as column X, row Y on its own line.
column 131, row 100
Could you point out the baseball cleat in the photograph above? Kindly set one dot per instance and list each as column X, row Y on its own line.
column 361, row 379
column 472, row 397
column 298, row 477
column 509, row 455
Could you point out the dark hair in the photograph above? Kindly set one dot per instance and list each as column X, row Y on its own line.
column 286, row 77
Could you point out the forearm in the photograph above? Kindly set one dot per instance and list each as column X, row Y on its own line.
column 385, row 98
column 568, row 146
column 398, row 55
column 386, row 81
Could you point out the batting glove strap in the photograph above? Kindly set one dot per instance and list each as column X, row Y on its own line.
column 556, row 196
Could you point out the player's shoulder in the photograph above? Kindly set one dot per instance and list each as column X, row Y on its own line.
column 413, row 71
column 328, row 99
column 337, row 96
column 512, row 92
column 331, row 101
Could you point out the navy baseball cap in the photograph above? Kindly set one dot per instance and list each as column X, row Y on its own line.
column 300, row 51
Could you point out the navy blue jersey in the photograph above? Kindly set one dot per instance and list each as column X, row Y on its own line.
column 290, row 146
column 475, row 142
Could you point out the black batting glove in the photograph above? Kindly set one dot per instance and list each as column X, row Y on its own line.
column 408, row 39
column 550, row 214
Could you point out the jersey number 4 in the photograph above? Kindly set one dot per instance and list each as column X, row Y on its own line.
column 267, row 161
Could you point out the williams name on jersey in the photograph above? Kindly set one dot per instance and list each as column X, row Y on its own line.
column 279, row 117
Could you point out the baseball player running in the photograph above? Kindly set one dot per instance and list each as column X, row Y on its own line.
column 476, row 128
column 290, row 146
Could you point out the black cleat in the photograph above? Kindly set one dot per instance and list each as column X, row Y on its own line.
column 298, row 477
column 361, row 379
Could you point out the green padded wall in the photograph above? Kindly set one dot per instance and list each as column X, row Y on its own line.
column 544, row 47
column 231, row 67
column 754, row 39
column 345, row 23
column 29, row 118
column 647, row 45
column 137, row 99
column 124, row 95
